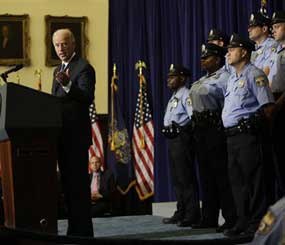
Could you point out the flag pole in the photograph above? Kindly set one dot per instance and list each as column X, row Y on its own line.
column 114, row 88
column 139, row 66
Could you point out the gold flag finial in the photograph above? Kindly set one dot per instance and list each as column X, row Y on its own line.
column 139, row 66
column 38, row 73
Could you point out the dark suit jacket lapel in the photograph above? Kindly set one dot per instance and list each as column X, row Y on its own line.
column 72, row 66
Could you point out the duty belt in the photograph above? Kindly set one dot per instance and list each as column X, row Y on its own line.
column 174, row 129
column 251, row 126
column 207, row 119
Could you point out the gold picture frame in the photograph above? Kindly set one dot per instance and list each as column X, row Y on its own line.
column 14, row 39
column 76, row 24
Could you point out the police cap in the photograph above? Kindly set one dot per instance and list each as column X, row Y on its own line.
column 178, row 70
column 210, row 49
column 236, row 41
column 258, row 19
column 278, row 17
column 216, row 34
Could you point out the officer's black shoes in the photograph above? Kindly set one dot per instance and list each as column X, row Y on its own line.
column 235, row 231
column 185, row 222
column 225, row 226
column 172, row 220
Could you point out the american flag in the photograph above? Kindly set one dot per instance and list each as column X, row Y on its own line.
column 143, row 145
column 96, row 149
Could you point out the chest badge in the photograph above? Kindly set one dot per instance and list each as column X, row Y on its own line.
column 189, row 101
column 174, row 102
column 241, row 83
column 259, row 52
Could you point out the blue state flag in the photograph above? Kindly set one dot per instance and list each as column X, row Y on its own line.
column 119, row 157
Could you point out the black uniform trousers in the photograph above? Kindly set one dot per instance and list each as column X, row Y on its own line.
column 246, row 171
column 279, row 136
column 184, row 177
column 213, row 169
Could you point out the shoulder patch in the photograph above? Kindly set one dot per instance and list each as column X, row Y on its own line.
column 266, row 223
column 261, row 81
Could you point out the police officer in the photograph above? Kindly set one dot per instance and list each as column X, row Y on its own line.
column 221, row 39
column 259, row 32
column 178, row 130
column 277, row 83
column 207, row 97
column 247, row 106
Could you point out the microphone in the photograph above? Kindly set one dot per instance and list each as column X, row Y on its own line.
column 4, row 75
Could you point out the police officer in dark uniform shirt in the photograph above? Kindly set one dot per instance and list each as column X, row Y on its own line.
column 178, row 130
column 207, row 97
column 277, row 83
column 247, row 108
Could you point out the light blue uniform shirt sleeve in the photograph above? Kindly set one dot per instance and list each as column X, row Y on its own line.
column 277, row 70
column 260, row 88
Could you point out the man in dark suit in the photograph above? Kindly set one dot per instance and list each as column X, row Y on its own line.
column 102, row 185
column 74, row 84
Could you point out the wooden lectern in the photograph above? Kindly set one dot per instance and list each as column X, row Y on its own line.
column 29, row 125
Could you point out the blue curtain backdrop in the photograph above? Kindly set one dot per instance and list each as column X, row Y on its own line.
column 162, row 32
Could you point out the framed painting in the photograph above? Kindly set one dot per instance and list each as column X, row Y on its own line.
column 78, row 27
column 14, row 39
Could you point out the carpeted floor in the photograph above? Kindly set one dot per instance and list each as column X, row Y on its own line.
column 146, row 227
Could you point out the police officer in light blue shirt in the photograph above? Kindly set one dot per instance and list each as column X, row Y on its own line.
column 207, row 97
column 277, row 82
column 247, row 107
column 178, row 131
column 259, row 32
